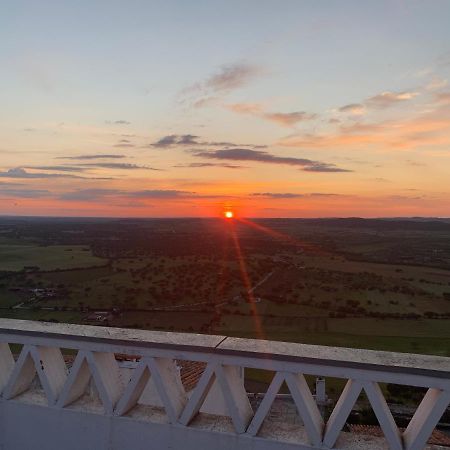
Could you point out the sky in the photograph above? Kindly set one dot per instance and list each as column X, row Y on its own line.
column 282, row 108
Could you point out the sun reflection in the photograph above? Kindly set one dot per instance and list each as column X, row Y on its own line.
column 248, row 287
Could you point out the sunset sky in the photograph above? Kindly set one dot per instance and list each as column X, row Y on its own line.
column 188, row 108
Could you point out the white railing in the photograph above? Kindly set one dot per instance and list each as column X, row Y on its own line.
column 61, row 414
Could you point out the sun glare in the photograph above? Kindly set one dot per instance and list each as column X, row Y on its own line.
column 229, row 214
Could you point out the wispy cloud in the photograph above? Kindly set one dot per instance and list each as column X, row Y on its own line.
column 443, row 98
column 277, row 195
column 124, row 143
column 242, row 154
column 96, row 156
column 201, row 165
column 20, row 172
column 246, row 108
column 288, row 195
column 380, row 101
column 387, row 98
column 324, row 167
column 160, row 193
column 232, row 76
column 436, row 83
column 118, row 122
column 186, row 140
column 112, row 165
column 173, row 140
column 58, row 168
column 227, row 79
column 99, row 194
column 288, row 119
column 355, row 109
column 23, row 193
column 428, row 129
column 89, row 194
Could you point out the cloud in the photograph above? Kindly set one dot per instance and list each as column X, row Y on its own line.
column 118, row 196
column 228, row 78
column 379, row 101
column 425, row 130
column 23, row 193
column 9, row 184
column 245, row 108
column 415, row 163
column 183, row 140
column 112, row 165
column 20, row 172
column 99, row 194
column 334, row 120
column 58, row 168
column 443, row 98
column 289, row 119
column 89, row 194
column 124, row 143
column 277, row 195
column 242, row 154
column 205, row 102
column 323, row 167
column 285, row 119
column 404, row 198
column 200, row 165
column 326, row 194
column 232, row 76
column 436, row 83
column 160, row 193
column 355, row 109
column 176, row 140
column 97, row 156
column 387, row 99
column 118, row 122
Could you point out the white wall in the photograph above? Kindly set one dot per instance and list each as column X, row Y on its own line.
column 32, row 427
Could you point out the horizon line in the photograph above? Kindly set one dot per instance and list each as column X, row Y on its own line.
column 3, row 216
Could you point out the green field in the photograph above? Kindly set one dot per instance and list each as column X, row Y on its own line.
column 418, row 336
column 162, row 276
column 14, row 257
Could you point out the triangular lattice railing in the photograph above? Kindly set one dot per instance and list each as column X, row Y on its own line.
column 95, row 365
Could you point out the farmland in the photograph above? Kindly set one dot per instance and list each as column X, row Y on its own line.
column 371, row 284
column 14, row 257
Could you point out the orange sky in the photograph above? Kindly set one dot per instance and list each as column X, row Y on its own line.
column 303, row 111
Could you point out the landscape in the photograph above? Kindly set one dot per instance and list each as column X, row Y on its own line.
column 224, row 225
column 376, row 284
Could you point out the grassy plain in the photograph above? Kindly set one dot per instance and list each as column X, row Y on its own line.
column 159, row 275
column 14, row 257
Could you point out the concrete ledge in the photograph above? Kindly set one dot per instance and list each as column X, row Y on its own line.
column 434, row 366
column 114, row 336
column 410, row 363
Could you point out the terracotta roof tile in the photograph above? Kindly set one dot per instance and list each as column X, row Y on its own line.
column 190, row 372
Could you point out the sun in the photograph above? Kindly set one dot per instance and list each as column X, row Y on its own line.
column 229, row 214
